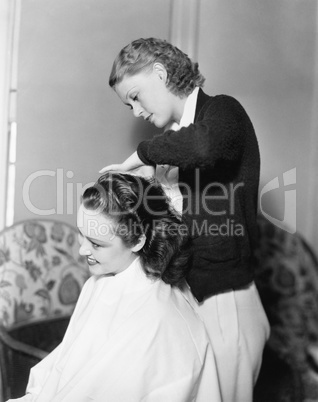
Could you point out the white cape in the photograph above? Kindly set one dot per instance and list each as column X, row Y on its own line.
column 129, row 339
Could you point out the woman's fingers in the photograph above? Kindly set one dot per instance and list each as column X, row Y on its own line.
column 115, row 167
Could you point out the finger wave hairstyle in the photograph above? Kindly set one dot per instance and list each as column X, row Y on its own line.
column 183, row 75
column 139, row 207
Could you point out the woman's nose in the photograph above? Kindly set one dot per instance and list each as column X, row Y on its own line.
column 84, row 249
column 137, row 110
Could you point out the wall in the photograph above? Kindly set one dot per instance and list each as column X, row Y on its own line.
column 264, row 53
column 71, row 124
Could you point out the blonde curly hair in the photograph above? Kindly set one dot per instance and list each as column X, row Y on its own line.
column 183, row 75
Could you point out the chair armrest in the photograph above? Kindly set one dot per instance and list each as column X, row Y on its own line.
column 20, row 346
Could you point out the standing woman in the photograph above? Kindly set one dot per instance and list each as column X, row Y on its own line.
column 207, row 157
column 133, row 336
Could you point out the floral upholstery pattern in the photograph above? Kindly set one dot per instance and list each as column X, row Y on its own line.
column 41, row 271
column 287, row 280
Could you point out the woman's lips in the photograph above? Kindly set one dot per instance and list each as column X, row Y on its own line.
column 91, row 261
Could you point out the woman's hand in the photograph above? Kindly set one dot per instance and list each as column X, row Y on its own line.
column 131, row 163
column 119, row 167
column 144, row 171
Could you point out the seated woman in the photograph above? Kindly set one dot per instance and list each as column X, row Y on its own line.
column 133, row 336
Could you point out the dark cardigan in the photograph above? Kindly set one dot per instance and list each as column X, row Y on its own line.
column 219, row 165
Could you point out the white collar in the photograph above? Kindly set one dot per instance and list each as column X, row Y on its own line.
column 189, row 109
column 188, row 112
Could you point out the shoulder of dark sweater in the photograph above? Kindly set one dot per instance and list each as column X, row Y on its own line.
column 206, row 102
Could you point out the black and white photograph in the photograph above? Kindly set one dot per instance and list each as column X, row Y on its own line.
column 158, row 201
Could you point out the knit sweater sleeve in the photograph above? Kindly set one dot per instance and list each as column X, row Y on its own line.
column 217, row 134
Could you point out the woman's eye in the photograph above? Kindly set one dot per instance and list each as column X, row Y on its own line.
column 96, row 245
column 135, row 98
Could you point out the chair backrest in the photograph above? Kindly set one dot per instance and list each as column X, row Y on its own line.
column 287, row 280
column 41, row 271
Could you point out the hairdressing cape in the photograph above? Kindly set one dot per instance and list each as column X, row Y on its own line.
column 130, row 339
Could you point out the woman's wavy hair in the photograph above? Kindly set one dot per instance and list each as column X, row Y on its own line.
column 183, row 75
column 139, row 207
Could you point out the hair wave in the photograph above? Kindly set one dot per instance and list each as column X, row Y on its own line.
column 139, row 207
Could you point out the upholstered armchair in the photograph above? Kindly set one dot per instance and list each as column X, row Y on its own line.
column 41, row 276
column 287, row 280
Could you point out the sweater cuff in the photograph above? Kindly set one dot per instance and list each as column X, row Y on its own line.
column 142, row 151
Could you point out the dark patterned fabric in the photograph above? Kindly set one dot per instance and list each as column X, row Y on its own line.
column 287, row 280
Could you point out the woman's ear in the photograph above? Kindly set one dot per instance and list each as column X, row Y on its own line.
column 140, row 244
column 161, row 71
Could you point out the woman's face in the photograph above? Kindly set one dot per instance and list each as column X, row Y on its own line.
column 105, row 252
column 147, row 95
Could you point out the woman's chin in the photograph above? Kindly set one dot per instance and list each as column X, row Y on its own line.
column 97, row 270
column 159, row 124
column 94, row 270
